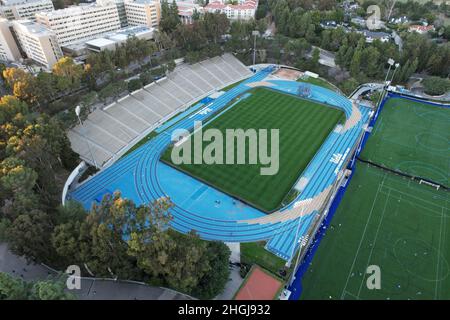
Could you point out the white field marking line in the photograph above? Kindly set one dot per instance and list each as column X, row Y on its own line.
column 417, row 198
column 399, row 199
column 375, row 240
column 351, row 294
column 362, row 238
column 438, row 256
column 379, row 126
column 422, row 150
column 414, row 203
column 445, row 227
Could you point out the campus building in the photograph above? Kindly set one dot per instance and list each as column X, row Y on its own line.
column 37, row 42
column 108, row 41
column 8, row 47
column 243, row 10
column 120, row 4
column 187, row 9
column 83, row 22
column 24, row 9
column 143, row 13
column 421, row 29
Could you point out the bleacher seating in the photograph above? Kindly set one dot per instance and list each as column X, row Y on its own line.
column 283, row 230
column 108, row 131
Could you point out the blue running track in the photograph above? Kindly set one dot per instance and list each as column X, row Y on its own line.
column 212, row 214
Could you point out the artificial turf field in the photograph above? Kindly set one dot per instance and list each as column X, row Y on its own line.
column 303, row 126
column 389, row 220
column 413, row 138
column 392, row 222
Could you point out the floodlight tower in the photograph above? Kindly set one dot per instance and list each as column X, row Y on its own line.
column 393, row 74
column 254, row 33
column 391, row 63
column 388, row 83
column 297, row 241
column 77, row 112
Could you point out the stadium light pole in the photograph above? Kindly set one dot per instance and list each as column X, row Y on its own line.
column 254, row 33
column 390, row 81
column 295, row 244
column 77, row 112
column 393, row 74
column 391, row 63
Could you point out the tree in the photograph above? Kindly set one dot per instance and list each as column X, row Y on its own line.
column 349, row 85
column 17, row 183
column 2, row 68
column 16, row 289
column 29, row 236
column 171, row 65
column 12, row 288
column 436, row 86
column 98, row 241
column 134, row 84
column 46, row 84
column 50, row 290
column 213, row 283
column 15, row 177
column 71, row 211
column 68, row 74
column 315, row 59
column 355, row 65
column 72, row 242
column 169, row 16
column 178, row 260
column 22, row 84
column 112, row 90
column 59, row 4
column 146, row 78
column 371, row 56
column 4, row 225
column 214, row 25
column 10, row 107
column 40, row 146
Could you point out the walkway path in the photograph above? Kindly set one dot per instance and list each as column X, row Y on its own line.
column 91, row 289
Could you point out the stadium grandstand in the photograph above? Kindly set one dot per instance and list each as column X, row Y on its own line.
column 109, row 132
column 215, row 215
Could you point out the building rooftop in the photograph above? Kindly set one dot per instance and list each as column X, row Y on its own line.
column 18, row 2
column 421, row 28
column 132, row 30
column 248, row 4
column 117, row 36
column 100, row 42
column 72, row 10
column 142, row 1
column 33, row 27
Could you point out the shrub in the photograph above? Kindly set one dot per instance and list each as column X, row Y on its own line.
column 436, row 86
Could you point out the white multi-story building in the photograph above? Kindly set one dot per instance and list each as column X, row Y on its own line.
column 24, row 9
column 120, row 4
column 143, row 12
column 243, row 10
column 37, row 42
column 8, row 47
column 79, row 23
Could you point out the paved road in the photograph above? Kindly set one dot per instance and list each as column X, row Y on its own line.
column 91, row 289
column 326, row 58
column 398, row 40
